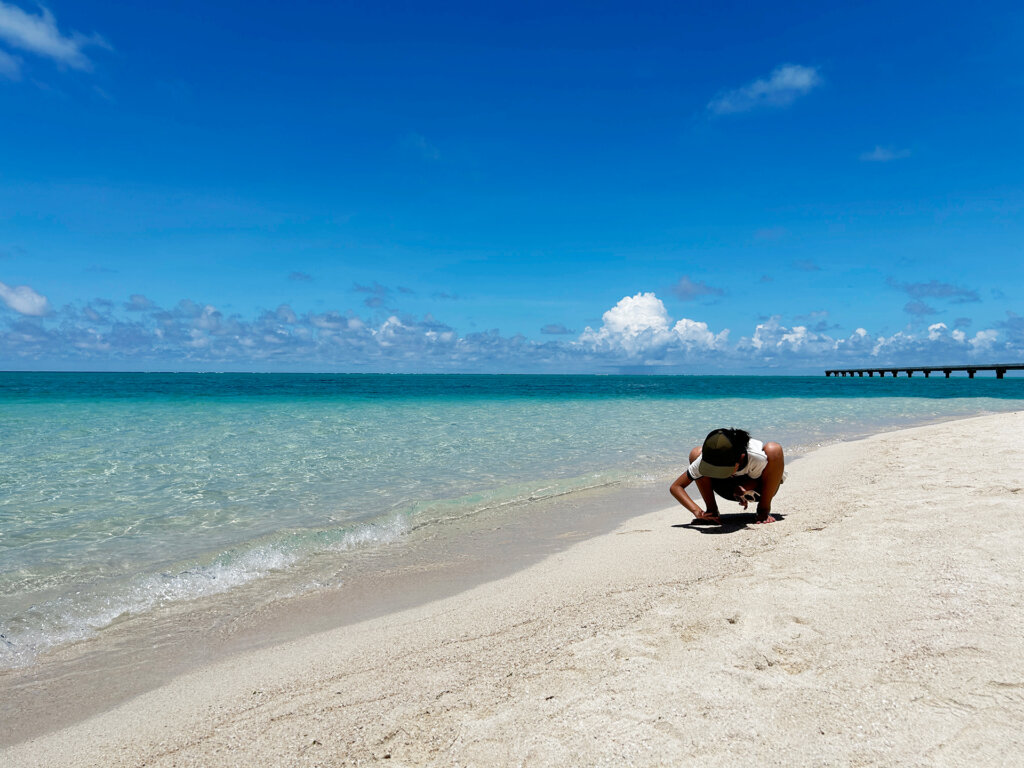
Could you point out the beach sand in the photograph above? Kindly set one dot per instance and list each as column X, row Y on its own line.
column 880, row 622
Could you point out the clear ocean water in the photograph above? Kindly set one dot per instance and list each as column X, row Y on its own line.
column 122, row 493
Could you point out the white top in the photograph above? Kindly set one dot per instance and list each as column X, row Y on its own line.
column 757, row 460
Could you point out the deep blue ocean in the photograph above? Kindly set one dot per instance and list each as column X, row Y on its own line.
column 121, row 493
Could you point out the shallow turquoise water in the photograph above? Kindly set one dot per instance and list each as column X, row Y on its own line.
column 121, row 492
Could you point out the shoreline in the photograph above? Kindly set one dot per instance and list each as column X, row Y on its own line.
column 657, row 642
column 71, row 683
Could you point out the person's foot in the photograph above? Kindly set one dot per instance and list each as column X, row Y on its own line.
column 763, row 518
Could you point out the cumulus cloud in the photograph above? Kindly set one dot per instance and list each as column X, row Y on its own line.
column 940, row 344
column 688, row 290
column 139, row 303
column 785, row 84
column 983, row 340
column 636, row 333
column 772, row 340
column 40, row 35
column 884, row 155
column 640, row 326
column 23, row 300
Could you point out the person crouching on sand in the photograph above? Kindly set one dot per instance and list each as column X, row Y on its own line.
column 736, row 467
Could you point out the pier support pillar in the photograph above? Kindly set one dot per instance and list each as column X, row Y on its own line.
column 971, row 372
column 927, row 374
column 1000, row 372
column 946, row 371
column 909, row 374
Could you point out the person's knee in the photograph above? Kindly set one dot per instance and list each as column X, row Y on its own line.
column 695, row 453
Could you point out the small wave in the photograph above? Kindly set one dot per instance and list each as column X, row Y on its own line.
column 77, row 616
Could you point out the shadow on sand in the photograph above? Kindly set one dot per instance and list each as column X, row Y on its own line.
column 730, row 523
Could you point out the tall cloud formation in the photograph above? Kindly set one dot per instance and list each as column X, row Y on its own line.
column 639, row 326
column 637, row 332
column 780, row 89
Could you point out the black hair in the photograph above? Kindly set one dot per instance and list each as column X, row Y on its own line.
column 739, row 439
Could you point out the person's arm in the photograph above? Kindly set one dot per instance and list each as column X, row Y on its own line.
column 678, row 491
column 771, row 478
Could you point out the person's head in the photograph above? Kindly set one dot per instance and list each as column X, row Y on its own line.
column 723, row 452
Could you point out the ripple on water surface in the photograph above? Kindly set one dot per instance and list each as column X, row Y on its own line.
column 138, row 492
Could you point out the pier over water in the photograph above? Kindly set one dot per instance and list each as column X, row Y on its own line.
column 927, row 370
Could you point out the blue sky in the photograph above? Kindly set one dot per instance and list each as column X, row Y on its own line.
column 673, row 187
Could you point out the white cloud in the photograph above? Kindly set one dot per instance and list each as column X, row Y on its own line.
column 696, row 335
column 40, row 35
column 640, row 325
column 772, row 339
column 983, row 340
column 24, row 300
column 636, row 332
column 884, row 155
column 634, row 315
column 785, row 84
column 940, row 345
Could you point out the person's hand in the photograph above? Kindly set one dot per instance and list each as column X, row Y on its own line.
column 711, row 517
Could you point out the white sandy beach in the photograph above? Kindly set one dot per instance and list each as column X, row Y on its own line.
column 881, row 622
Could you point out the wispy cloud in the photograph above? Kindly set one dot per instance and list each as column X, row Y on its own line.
column 10, row 66
column 884, row 155
column 378, row 294
column 688, row 290
column 300, row 277
column 23, row 300
column 40, row 35
column 780, row 89
column 933, row 289
column 556, row 329
column 919, row 309
column 420, row 146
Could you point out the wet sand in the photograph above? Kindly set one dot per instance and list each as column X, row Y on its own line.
column 880, row 622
